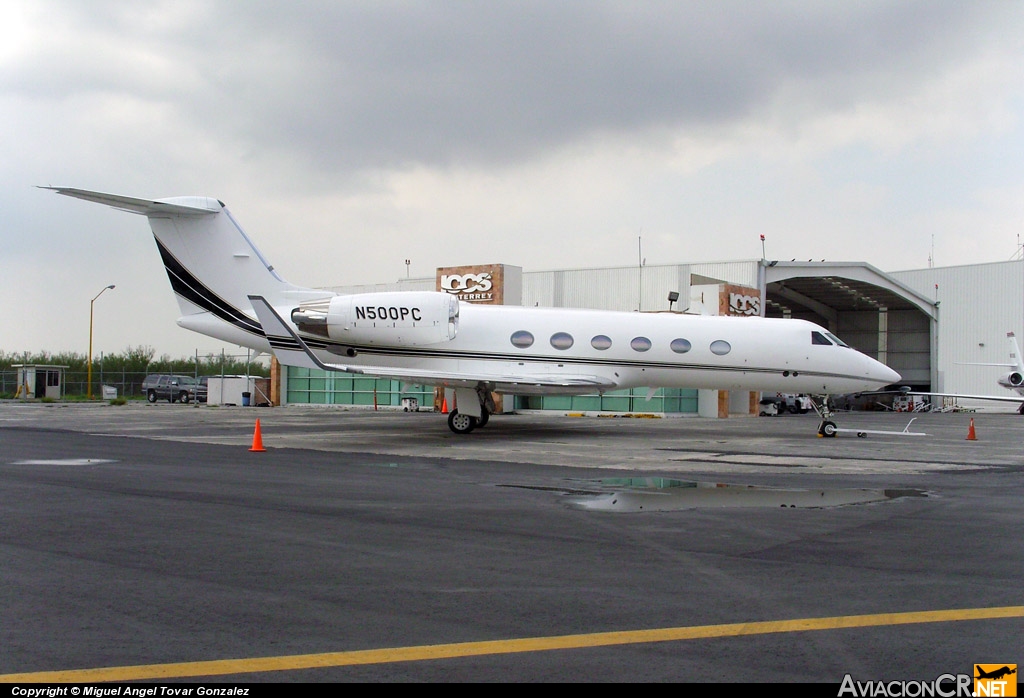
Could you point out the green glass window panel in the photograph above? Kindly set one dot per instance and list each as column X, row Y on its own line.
column 642, row 404
column 362, row 398
column 298, row 397
column 612, row 403
column 557, row 402
column 364, row 384
column 586, row 403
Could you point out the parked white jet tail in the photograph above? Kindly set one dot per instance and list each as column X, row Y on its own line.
column 212, row 264
column 1015, row 378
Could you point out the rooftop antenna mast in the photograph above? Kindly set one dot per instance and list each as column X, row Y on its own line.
column 640, row 266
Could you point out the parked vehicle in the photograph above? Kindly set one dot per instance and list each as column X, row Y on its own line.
column 769, row 407
column 159, row 386
column 795, row 404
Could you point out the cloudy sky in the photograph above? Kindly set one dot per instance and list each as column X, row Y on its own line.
column 349, row 136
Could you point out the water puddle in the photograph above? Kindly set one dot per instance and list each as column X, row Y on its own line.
column 65, row 461
column 664, row 494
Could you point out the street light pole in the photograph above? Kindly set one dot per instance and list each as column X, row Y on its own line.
column 89, row 379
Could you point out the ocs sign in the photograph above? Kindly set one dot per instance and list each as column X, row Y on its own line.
column 466, row 283
column 741, row 304
column 468, row 286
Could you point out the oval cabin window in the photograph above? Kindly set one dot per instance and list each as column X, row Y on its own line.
column 680, row 346
column 561, row 340
column 640, row 344
column 720, row 347
column 522, row 339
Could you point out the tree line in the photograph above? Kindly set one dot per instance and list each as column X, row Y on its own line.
column 126, row 369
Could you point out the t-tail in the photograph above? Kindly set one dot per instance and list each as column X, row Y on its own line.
column 1014, row 380
column 212, row 264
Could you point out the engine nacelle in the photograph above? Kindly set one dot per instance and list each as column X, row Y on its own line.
column 1013, row 379
column 396, row 318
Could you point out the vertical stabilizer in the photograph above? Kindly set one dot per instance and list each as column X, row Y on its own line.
column 1015, row 357
column 212, row 264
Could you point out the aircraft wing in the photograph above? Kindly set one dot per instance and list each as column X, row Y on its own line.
column 291, row 350
column 997, row 398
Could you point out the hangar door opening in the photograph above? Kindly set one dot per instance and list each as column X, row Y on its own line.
column 868, row 310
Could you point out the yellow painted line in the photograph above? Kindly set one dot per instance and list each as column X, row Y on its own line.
column 470, row 649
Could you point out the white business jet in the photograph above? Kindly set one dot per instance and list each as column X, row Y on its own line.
column 226, row 289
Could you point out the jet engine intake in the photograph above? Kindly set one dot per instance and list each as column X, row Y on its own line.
column 1013, row 379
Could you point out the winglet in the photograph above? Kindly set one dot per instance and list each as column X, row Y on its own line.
column 288, row 347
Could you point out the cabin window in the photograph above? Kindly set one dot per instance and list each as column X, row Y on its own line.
column 522, row 339
column 561, row 340
column 601, row 342
column 680, row 346
column 837, row 340
column 720, row 347
column 819, row 338
column 640, row 344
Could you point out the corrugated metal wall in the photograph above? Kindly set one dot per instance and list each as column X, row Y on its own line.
column 621, row 288
column 979, row 304
column 613, row 288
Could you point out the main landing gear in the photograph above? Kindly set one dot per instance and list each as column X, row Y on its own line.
column 463, row 423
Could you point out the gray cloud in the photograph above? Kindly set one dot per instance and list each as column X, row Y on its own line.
column 349, row 136
column 381, row 85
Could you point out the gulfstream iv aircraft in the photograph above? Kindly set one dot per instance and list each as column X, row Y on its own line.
column 226, row 289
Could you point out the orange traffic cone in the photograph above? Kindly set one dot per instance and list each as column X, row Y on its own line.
column 971, row 436
column 444, row 406
column 257, row 439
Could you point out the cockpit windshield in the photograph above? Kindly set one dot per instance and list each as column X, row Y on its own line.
column 827, row 339
column 837, row 340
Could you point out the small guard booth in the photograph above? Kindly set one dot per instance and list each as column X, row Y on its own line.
column 39, row 381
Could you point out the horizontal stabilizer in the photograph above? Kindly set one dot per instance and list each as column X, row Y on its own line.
column 197, row 205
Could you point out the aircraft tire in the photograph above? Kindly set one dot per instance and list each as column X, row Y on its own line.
column 828, row 429
column 461, row 423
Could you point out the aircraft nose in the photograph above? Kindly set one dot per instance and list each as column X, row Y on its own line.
column 882, row 373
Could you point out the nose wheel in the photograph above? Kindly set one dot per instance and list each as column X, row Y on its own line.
column 827, row 428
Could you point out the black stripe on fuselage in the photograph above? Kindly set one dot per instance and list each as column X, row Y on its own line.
column 286, row 343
